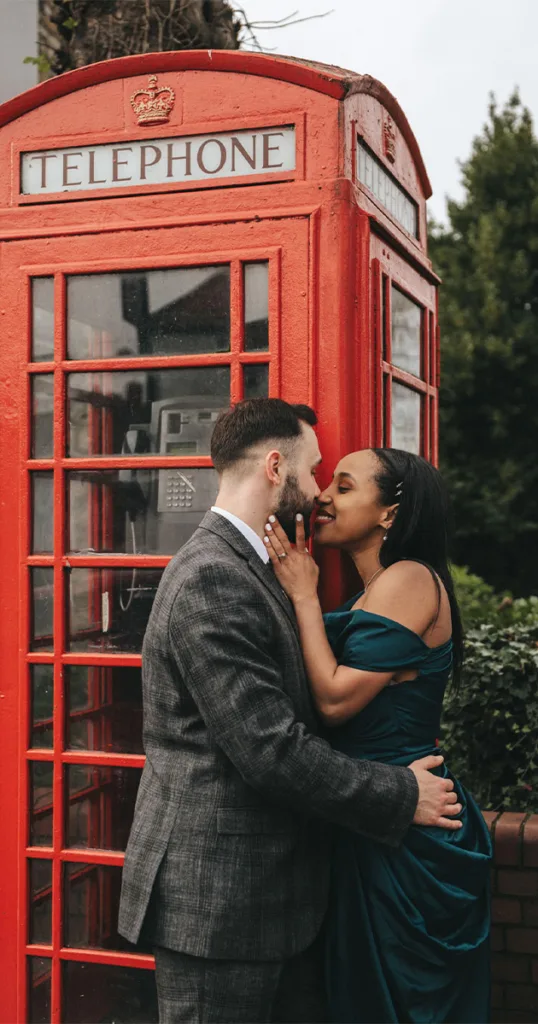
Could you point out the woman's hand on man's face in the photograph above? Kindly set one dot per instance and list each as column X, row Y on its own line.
column 294, row 567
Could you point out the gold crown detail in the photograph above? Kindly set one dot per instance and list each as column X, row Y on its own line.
column 154, row 104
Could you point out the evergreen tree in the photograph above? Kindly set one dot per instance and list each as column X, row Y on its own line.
column 488, row 259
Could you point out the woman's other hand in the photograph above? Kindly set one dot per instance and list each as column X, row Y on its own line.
column 294, row 567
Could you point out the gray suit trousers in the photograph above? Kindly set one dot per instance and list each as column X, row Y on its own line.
column 198, row 990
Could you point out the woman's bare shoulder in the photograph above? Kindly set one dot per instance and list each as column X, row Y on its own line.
column 405, row 592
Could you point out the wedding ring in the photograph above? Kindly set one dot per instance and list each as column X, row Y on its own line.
column 282, row 556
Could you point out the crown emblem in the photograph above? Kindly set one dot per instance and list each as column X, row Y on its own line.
column 389, row 139
column 154, row 104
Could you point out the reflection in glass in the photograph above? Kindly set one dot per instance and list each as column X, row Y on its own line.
column 42, row 319
column 107, row 994
column 39, row 978
column 406, row 409
column 256, row 285
column 406, row 333
column 42, row 604
column 42, row 513
column 40, row 883
column 42, row 403
column 100, row 805
column 42, row 689
column 40, row 803
column 109, row 608
column 256, row 380
column 149, row 313
column 91, row 903
column 143, row 412
column 137, row 511
column 104, row 708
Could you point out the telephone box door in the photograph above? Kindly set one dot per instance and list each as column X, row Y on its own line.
column 123, row 349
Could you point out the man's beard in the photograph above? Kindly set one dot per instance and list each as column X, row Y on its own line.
column 292, row 501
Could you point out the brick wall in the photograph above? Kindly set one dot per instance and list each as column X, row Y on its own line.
column 514, row 917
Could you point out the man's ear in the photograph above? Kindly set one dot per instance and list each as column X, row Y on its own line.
column 273, row 466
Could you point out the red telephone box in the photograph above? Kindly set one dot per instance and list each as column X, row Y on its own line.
column 177, row 230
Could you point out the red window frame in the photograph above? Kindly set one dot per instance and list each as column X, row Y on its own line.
column 60, row 561
column 386, row 273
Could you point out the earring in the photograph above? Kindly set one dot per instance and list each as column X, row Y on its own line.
column 385, row 537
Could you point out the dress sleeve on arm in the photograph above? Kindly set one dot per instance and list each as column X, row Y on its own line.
column 376, row 644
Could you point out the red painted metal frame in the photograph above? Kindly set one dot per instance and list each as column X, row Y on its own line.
column 61, row 560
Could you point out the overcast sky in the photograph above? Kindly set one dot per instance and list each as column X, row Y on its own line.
column 440, row 58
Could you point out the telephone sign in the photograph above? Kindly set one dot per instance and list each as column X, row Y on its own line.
column 159, row 161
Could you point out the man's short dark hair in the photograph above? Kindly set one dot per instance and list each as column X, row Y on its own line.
column 252, row 422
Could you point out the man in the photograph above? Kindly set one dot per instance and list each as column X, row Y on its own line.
column 226, row 870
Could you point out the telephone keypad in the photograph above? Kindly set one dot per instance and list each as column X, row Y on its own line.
column 179, row 490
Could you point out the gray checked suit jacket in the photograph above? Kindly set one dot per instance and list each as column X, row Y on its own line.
column 229, row 850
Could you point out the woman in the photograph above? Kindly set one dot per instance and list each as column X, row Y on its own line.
column 408, row 927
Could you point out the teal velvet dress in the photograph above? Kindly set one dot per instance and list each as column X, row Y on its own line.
column 408, row 928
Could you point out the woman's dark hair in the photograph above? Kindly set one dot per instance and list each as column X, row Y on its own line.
column 420, row 528
column 252, row 422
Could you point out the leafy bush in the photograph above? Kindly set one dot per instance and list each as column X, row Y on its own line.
column 479, row 604
column 490, row 727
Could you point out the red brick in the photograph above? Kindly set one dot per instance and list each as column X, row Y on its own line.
column 505, row 910
column 506, row 967
column 522, row 940
column 497, row 938
column 522, row 997
column 530, row 912
column 497, row 997
column 490, row 817
column 508, row 838
column 518, row 883
column 530, row 842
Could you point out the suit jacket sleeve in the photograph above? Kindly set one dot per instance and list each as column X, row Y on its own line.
column 223, row 652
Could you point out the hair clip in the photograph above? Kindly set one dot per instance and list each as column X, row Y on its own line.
column 399, row 489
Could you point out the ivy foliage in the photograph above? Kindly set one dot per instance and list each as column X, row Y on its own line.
column 490, row 725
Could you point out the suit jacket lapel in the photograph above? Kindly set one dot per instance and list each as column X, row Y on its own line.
column 225, row 529
column 265, row 573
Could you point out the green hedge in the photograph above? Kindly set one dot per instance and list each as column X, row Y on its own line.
column 479, row 604
column 490, row 727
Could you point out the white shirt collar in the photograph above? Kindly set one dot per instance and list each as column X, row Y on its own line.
column 247, row 531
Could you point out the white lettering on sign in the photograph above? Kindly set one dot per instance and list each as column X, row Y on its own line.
column 371, row 173
column 158, row 161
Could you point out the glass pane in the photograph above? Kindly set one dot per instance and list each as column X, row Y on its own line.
column 256, row 285
column 40, row 882
column 42, row 513
column 104, row 709
column 42, row 402
column 40, row 803
column 42, row 688
column 109, row 608
column 406, row 406
column 106, row 994
column 149, row 313
column 42, row 319
column 92, row 896
column 39, row 976
column 142, row 512
column 406, row 333
column 142, row 412
column 256, row 381
column 100, row 805
column 42, row 604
